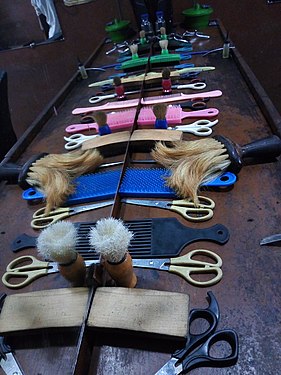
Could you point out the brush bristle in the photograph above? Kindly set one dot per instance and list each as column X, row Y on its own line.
column 163, row 44
column 53, row 174
column 142, row 34
column 166, row 73
column 100, row 117
column 160, row 111
column 57, row 242
column 134, row 49
column 162, row 30
column 117, row 81
column 192, row 163
column 110, row 238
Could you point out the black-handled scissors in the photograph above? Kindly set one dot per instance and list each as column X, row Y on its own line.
column 188, row 358
column 195, row 104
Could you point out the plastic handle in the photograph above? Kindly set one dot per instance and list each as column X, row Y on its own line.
column 10, row 173
column 75, row 128
column 186, row 272
column 193, row 214
column 28, row 276
column 266, row 147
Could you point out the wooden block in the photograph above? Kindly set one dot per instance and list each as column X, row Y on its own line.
column 43, row 309
column 108, row 140
column 141, row 311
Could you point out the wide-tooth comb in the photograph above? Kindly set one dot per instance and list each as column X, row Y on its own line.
column 110, row 106
column 125, row 119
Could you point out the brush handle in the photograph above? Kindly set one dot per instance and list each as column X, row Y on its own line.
column 10, row 173
column 269, row 147
column 76, row 128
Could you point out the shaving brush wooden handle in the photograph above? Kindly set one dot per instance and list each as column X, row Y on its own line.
column 122, row 272
column 262, row 149
column 75, row 271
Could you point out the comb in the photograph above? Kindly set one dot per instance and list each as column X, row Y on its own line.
column 147, row 101
column 158, row 237
column 153, row 75
column 137, row 182
column 124, row 119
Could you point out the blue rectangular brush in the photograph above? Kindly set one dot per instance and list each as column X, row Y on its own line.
column 137, row 182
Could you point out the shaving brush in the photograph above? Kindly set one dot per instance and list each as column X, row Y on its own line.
column 142, row 37
column 163, row 43
column 57, row 243
column 163, row 35
column 52, row 174
column 119, row 88
column 166, row 81
column 134, row 51
column 160, row 111
column 193, row 163
column 110, row 238
column 101, row 119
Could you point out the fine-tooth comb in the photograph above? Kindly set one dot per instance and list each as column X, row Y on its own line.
column 147, row 101
column 124, row 119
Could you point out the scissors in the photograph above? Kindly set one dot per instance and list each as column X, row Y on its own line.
column 76, row 140
column 201, row 128
column 184, row 207
column 196, row 352
column 41, row 220
column 185, row 266
column 195, row 104
column 27, row 268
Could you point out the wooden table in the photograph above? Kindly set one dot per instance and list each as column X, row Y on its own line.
column 248, row 294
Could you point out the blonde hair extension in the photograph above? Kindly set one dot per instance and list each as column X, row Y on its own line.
column 191, row 163
column 54, row 173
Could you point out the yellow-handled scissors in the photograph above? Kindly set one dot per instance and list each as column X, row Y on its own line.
column 185, row 266
column 41, row 220
column 185, row 207
column 23, row 270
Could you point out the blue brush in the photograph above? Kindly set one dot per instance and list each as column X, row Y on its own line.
column 137, row 182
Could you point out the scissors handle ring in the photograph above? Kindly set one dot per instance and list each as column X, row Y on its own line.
column 99, row 98
column 203, row 214
column 28, row 276
column 187, row 271
column 15, row 265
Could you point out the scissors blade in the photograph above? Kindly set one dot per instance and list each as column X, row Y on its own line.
column 10, row 365
column 149, row 203
column 157, row 264
column 75, row 210
column 274, row 240
column 170, row 368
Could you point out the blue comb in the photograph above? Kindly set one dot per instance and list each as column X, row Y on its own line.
column 152, row 183
column 137, row 182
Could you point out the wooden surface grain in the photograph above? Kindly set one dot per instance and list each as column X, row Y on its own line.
column 248, row 294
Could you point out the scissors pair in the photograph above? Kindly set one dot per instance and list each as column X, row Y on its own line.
column 185, row 266
column 41, row 220
column 184, row 207
column 25, row 269
column 75, row 140
column 201, row 128
column 196, row 352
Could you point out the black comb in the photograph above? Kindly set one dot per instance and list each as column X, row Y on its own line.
column 159, row 237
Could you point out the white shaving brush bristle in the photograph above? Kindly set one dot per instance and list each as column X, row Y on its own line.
column 163, row 44
column 134, row 49
column 110, row 238
column 57, row 242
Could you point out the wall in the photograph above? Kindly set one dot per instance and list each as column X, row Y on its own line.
column 255, row 28
column 36, row 74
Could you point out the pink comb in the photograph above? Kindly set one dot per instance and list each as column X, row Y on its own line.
column 125, row 119
column 147, row 101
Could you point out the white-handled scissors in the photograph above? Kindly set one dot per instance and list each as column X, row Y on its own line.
column 76, row 140
column 202, row 128
column 99, row 98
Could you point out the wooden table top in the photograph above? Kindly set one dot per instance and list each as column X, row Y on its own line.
column 249, row 292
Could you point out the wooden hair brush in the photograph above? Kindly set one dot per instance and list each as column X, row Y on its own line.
column 193, row 163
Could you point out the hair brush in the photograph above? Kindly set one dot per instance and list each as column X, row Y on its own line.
column 193, row 163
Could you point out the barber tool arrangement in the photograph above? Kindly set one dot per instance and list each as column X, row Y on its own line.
column 171, row 183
